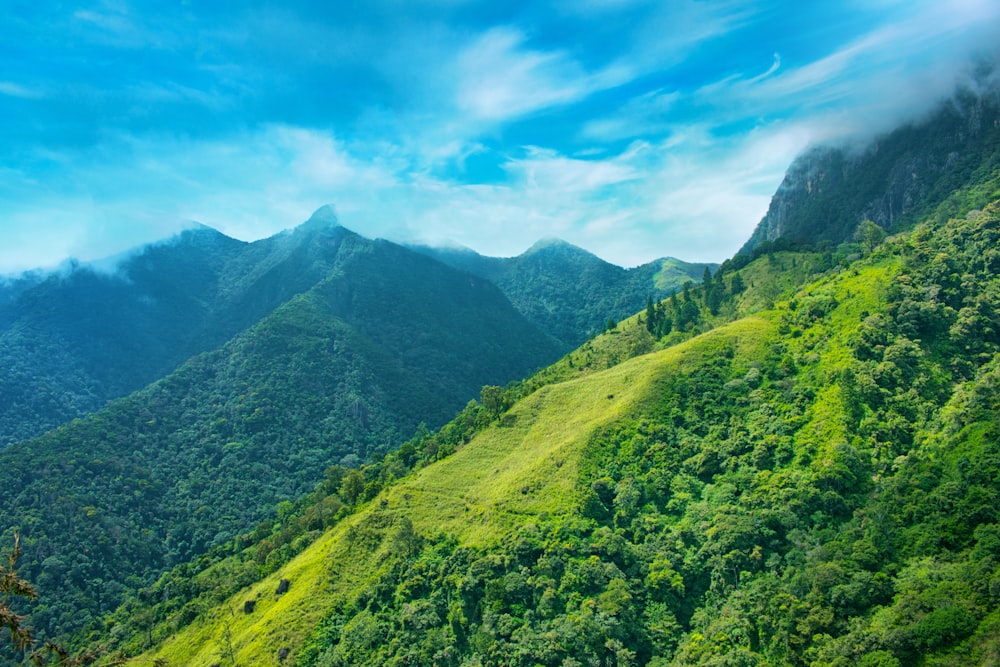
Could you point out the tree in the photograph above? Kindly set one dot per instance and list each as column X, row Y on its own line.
column 493, row 400
column 736, row 285
column 869, row 235
column 352, row 487
column 12, row 585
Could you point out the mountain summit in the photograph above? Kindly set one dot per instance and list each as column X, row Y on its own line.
column 570, row 292
column 324, row 216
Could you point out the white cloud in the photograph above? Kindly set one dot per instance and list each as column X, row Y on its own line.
column 12, row 89
column 499, row 78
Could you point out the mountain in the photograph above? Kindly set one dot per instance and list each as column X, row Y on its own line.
column 78, row 337
column 568, row 292
column 385, row 341
column 813, row 483
column 794, row 461
column 895, row 181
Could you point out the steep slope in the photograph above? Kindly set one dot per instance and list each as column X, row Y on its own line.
column 74, row 339
column 813, row 485
column 388, row 340
column 504, row 480
column 894, row 181
column 569, row 292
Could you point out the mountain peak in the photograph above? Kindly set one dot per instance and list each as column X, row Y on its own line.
column 550, row 244
column 324, row 216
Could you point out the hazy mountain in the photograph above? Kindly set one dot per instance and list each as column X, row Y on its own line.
column 75, row 338
column 569, row 292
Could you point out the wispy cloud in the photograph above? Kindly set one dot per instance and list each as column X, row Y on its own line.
column 12, row 89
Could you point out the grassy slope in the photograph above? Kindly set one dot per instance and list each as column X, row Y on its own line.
column 501, row 479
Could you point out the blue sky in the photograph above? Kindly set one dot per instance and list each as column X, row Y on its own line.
column 635, row 129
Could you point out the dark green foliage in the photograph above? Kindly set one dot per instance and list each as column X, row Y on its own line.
column 568, row 292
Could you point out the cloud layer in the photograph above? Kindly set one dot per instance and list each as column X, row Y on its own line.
column 636, row 129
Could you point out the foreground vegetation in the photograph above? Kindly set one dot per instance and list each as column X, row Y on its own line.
column 812, row 485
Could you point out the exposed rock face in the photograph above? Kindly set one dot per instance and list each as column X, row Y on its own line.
column 892, row 181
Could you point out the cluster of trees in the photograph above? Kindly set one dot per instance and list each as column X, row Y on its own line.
column 691, row 307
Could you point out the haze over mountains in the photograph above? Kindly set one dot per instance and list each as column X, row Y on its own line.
column 793, row 460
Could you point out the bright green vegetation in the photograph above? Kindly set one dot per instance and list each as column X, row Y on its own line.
column 345, row 371
column 518, row 469
column 814, row 485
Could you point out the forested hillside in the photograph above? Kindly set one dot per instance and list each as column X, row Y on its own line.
column 347, row 370
column 815, row 484
column 569, row 292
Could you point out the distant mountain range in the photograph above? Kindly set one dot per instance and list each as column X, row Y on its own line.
column 76, row 338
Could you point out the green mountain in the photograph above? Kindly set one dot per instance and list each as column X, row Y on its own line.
column 568, row 292
column 895, row 181
column 386, row 341
column 814, row 483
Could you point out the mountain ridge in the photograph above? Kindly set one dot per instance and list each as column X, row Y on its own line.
column 569, row 291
